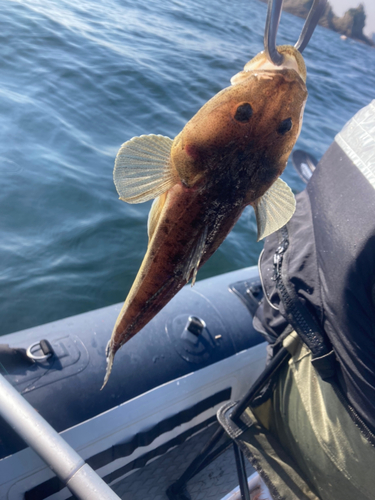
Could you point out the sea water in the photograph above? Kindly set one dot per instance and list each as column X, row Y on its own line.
column 77, row 79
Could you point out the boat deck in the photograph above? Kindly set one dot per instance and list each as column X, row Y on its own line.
column 152, row 481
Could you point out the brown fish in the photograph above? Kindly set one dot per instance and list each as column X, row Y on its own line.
column 228, row 156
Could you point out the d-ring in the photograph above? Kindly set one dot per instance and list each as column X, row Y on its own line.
column 272, row 25
column 32, row 356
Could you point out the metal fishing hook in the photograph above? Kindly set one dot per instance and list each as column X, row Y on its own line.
column 272, row 25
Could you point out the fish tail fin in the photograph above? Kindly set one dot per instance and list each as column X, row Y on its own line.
column 110, row 357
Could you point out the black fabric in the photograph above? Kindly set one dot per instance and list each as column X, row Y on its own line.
column 12, row 358
column 330, row 262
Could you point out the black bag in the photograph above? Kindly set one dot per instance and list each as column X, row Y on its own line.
column 318, row 276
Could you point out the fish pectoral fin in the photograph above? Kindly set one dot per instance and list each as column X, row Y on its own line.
column 154, row 214
column 142, row 168
column 195, row 257
column 274, row 209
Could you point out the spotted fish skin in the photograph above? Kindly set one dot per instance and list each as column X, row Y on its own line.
column 163, row 271
column 228, row 156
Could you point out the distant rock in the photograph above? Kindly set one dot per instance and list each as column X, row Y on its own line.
column 351, row 24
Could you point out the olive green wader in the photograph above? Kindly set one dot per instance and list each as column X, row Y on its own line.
column 302, row 440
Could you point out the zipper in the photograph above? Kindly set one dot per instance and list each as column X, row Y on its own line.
column 279, row 254
column 297, row 314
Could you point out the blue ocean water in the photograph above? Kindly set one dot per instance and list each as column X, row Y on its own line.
column 77, row 80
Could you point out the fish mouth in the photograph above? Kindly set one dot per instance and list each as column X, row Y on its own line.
column 289, row 75
column 292, row 60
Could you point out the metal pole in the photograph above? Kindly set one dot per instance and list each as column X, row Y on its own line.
column 241, row 472
column 260, row 382
column 79, row 477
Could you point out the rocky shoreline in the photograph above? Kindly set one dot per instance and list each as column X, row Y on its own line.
column 350, row 25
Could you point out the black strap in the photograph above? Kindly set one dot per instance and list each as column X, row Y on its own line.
column 12, row 358
column 297, row 314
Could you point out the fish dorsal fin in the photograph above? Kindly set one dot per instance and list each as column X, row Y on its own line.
column 154, row 214
column 142, row 168
column 195, row 257
column 274, row 209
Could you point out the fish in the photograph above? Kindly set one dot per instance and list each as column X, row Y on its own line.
column 228, row 156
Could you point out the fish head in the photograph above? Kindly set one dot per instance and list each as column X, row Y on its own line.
column 246, row 131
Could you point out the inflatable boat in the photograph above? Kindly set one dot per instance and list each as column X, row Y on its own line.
column 200, row 351
column 160, row 402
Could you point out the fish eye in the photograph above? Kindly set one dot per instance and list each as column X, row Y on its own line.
column 243, row 113
column 285, row 126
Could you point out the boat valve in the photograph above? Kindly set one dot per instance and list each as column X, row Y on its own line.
column 193, row 329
